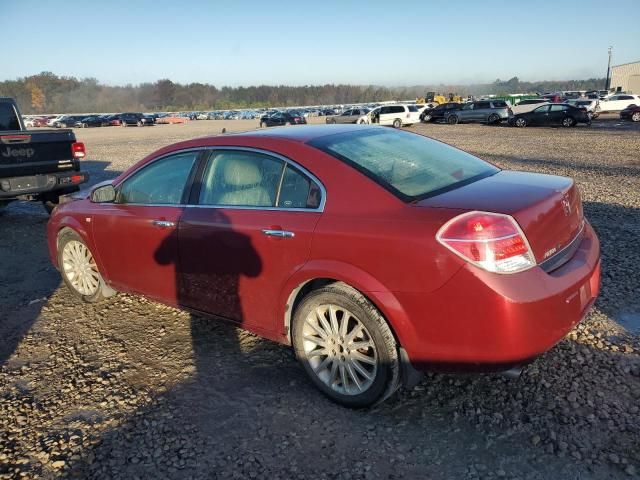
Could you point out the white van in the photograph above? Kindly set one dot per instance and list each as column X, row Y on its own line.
column 395, row 115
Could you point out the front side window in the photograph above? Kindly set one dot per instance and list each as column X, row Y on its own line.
column 410, row 166
column 543, row 109
column 558, row 108
column 162, row 182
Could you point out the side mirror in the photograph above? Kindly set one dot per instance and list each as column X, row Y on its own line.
column 103, row 194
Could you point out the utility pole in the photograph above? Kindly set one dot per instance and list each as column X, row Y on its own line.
column 607, row 84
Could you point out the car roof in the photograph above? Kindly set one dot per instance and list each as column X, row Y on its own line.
column 302, row 133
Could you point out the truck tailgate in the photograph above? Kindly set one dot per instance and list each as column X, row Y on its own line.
column 34, row 152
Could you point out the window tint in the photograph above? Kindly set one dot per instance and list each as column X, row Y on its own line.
column 161, row 182
column 412, row 108
column 384, row 110
column 298, row 191
column 558, row 108
column 396, row 109
column 243, row 179
column 8, row 117
column 410, row 166
column 482, row 105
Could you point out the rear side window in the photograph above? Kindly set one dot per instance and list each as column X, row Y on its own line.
column 558, row 108
column 8, row 117
column 408, row 165
column 298, row 191
column 162, row 182
column 499, row 104
column 482, row 105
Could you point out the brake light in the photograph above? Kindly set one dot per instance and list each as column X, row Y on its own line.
column 491, row 241
column 77, row 150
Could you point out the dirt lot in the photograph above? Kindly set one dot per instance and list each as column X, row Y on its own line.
column 132, row 389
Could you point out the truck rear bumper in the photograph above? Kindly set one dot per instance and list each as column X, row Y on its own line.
column 17, row 187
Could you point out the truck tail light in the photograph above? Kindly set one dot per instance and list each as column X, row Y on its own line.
column 491, row 241
column 77, row 150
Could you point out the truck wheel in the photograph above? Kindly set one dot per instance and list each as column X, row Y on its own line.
column 346, row 346
column 79, row 269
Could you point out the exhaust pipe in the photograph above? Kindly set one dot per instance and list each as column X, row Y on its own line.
column 512, row 373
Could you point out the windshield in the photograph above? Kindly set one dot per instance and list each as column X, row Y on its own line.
column 410, row 166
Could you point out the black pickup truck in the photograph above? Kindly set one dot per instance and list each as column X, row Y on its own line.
column 36, row 165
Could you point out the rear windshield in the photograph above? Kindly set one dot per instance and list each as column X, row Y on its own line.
column 8, row 117
column 410, row 166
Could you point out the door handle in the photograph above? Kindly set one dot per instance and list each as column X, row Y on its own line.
column 278, row 233
column 163, row 223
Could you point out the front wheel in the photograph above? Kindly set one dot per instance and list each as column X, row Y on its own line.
column 123, row 123
column 79, row 269
column 568, row 122
column 426, row 118
column 453, row 119
column 520, row 122
column 397, row 123
column 139, row 123
column 263, row 124
column 346, row 346
column 636, row 117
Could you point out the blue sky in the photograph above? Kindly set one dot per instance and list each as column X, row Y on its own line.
column 391, row 43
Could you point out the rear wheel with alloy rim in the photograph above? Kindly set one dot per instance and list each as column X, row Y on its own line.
column 346, row 346
column 568, row 122
column 493, row 119
column 79, row 269
column 453, row 119
column 397, row 123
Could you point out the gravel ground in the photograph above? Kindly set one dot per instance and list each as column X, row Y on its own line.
column 132, row 389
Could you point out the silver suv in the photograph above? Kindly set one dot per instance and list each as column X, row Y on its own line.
column 486, row 111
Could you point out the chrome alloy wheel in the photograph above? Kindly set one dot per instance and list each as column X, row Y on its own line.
column 340, row 350
column 80, row 268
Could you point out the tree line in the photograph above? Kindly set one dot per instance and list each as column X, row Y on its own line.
column 50, row 93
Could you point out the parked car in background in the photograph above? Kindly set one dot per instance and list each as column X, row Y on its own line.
column 172, row 119
column 618, row 102
column 551, row 114
column 139, row 119
column 67, row 121
column 484, row 111
column 591, row 106
column 282, row 118
column 437, row 113
column 632, row 112
column 348, row 116
column 506, row 257
column 91, row 121
column 35, row 122
column 392, row 115
column 528, row 105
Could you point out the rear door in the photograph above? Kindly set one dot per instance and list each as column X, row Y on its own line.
column 249, row 230
column 481, row 111
column 539, row 116
column 137, row 237
column 557, row 113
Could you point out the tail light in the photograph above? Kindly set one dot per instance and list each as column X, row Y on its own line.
column 491, row 241
column 77, row 150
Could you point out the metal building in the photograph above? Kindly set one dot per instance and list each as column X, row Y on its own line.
column 626, row 77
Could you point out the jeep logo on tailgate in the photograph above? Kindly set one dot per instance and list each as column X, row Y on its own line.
column 18, row 152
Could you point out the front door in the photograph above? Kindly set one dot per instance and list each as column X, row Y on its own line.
column 249, row 232
column 136, row 236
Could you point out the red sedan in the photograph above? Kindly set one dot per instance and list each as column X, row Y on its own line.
column 374, row 252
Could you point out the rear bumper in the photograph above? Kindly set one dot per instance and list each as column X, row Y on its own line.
column 488, row 322
column 16, row 187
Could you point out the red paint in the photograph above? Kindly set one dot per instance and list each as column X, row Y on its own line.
column 442, row 309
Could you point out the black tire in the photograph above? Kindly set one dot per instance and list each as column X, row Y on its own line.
column 65, row 236
column 387, row 376
column 397, row 123
column 520, row 122
column 568, row 122
column 427, row 118
column 493, row 119
column 452, row 119
column 635, row 117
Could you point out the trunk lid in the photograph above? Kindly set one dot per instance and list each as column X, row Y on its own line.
column 547, row 207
